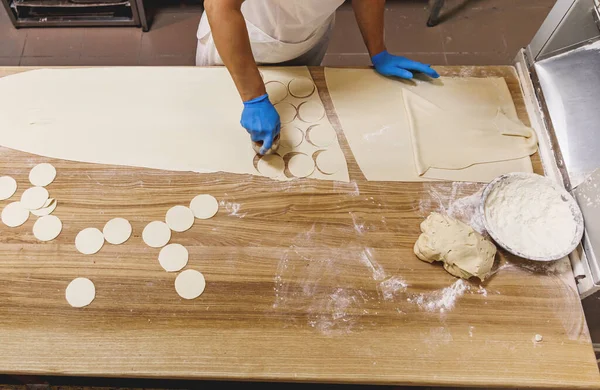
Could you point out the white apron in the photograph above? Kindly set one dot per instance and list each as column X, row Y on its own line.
column 280, row 31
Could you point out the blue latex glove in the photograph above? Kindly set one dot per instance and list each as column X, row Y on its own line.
column 390, row 65
column 261, row 120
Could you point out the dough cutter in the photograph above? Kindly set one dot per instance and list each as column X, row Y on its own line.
column 257, row 145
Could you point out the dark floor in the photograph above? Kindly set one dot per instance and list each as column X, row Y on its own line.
column 475, row 32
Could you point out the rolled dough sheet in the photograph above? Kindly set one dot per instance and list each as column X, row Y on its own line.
column 187, row 129
column 371, row 110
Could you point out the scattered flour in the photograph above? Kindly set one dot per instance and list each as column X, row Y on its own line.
column 232, row 208
column 389, row 288
column 441, row 300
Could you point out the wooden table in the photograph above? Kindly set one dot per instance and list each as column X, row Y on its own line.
column 294, row 293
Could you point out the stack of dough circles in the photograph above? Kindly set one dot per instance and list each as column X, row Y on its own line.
column 330, row 161
column 117, row 231
column 301, row 165
column 321, row 136
column 156, row 234
column 190, row 284
column 204, row 206
column 80, row 292
column 287, row 112
column 47, row 228
column 311, row 112
column 291, row 137
column 277, row 91
column 8, row 187
column 42, row 174
column 89, row 241
column 173, row 257
column 34, row 198
column 180, row 218
column 14, row 214
column 271, row 165
column 301, row 87
column 48, row 208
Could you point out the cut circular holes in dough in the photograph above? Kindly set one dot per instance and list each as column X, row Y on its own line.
column 47, row 228
column 301, row 165
column 330, row 161
column 320, row 135
column 34, row 198
column 42, row 174
column 173, row 257
column 271, row 166
column 180, row 218
column 156, row 234
column 277, row 91
column 14, row 214
column 311, row 112
column 190, row 284
column 204, row 206
column 8, row 187
column 117, row 231
column 89, row 241
column 291, row 137
column 287, row 112
column 301, row 87
column 80, row 292
column 48, row 208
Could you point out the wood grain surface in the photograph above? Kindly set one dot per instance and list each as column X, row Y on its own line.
column 306, row 281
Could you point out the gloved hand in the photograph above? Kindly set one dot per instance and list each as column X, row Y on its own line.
column 261, row 120
column 390, row 65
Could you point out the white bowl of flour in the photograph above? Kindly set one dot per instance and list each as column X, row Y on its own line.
column 531, row 217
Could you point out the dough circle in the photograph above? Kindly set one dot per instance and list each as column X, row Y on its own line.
column 48, row 208
column 321, row 136
column 190, row 284
column 14, row 214
column 180, row 218
column 301, row 87
column 8, row 187
column 311, row 112
column 34, row 198
column 287, row 112
column 117, row 231
column 204, row 206
column 173, row 257
column 301, row 165
column 330, row 161
column 271, row 165
column 290, row 137
column 42, row 174
column 277, row 91
column 80, row 292
column 89, row 241
column 47, row 228
column 156, row 234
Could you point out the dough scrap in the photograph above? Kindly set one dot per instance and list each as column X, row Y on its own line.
column 14, row 214
column 464, row 252
column 190, row 284
column 291, row 137
column 80, row 292
column 330, row 161
column 301, row 87
column 117, row 231
column 271, row 165
column 89, row 241
column 311, row 111
column 321, row 136
column 173, row 257
column 156, row 234
column 204, row 206
column 301, row 165
column 180, row 218
column 287, row 112
column 47, row 228
column 8, row 187
column 48, row 208
column 34, row 198
column 277, row 91
column 42, row 174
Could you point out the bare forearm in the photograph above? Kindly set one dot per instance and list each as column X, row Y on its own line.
column 231, row 39
column 369, row 16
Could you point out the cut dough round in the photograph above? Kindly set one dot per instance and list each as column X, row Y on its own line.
column 42, row 174
column 287, row 112
column 14, row 214
column 47, row 228
column 291, row 136
column 34, row 198
column 311, row 112
column 180, row 218
column 89, row 241
column 48, row 208
column 8, row 187
column 301, row 87
column 321, row 136
column 277, row 91
column 80, row 292
column 189, row 284
column 301, row 165
column 173, row 257
column 204, row 206
column 271, row 165
column 117, row 231
column 330, row 161
column 156, row 234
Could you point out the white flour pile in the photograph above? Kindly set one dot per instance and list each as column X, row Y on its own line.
column 531, row 216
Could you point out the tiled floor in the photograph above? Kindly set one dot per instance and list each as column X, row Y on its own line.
column 475, row 32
